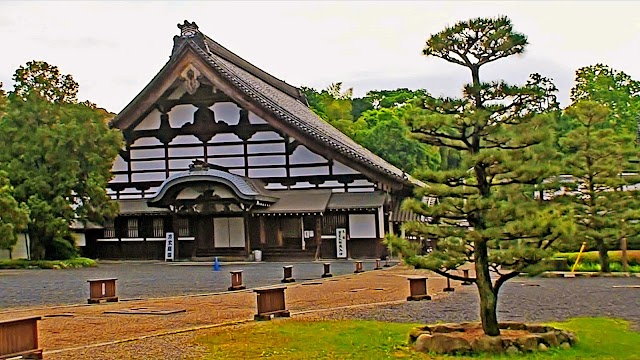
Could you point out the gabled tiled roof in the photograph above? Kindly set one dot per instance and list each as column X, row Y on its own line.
column 284, row 101
column 293, row 111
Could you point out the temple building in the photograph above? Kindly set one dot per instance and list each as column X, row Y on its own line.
column 229, row 159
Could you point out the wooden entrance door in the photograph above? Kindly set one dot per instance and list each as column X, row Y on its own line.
column 204, row 234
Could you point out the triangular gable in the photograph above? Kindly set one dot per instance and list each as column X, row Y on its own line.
column 260, row 94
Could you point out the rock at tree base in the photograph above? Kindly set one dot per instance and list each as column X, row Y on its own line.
column 470, row 338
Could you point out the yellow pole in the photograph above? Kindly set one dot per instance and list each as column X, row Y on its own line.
column 573, row 268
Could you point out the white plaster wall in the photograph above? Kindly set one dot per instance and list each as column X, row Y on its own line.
column 225, row 150
column 267, row 160
column 147, row 154
column 302, row 155
column 255, row 119
column 342, row 169
column 181, row 115
column 225, row 137
column 265, row 148
column 265, row 173
column 145, row 141
column 119, row 164
column 227, row 112
column 150, row 122
column 305, row 171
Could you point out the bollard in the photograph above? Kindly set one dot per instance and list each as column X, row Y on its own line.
column 270, row 303
column 236, row 281
column 377, row 265
column 448, row 288
column 386, row 262
column 418, row 289
column 288, row 277
column 358, row 267
column 466, row 274
column 327, row 270
column 102, row 289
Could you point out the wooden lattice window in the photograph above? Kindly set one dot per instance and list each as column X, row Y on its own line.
column 132, row 228
column 183, row 227
column 158, row 227
column 109, row 229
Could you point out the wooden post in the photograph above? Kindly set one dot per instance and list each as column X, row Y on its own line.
column 358, row 267
column 271, row 303
column 377, row 265
column 327, row 270
column 448, row 288
column 465, row 273
column 625, row 259
column 236, row 281
column 288, row 274
column 386, row 262
column 418, row 289
column 318, row 237
column 19, row 337
column 102, row 289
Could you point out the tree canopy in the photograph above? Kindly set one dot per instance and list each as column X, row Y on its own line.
column 597, row 159
column 377, row 122
column 487, row 212
column 57, row 155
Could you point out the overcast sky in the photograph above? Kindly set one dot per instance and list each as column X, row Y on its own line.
column 114, row 49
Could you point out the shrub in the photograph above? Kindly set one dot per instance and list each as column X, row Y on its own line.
column 633, row 257
column 47, row 264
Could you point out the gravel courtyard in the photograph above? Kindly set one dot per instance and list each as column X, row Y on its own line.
column 149, row 280
column 522, row 299
column 83, row 331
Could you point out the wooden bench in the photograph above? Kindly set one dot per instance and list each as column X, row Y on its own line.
column 418, row 289
column 19, row 337
column 102, row 289
column 271, row 303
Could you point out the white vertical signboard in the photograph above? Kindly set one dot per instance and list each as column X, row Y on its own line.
column 341, row 243
column 170, row 247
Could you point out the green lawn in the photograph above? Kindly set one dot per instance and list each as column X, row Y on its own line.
column 599, row 338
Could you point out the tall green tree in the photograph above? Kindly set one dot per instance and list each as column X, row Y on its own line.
column 596, row 157
column 57, row 154
column 13, row 215
column 387, row 136
column 613, row 89
column 487, row 213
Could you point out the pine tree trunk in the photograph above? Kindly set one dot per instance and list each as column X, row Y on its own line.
column 604, row 257
column 488, row 299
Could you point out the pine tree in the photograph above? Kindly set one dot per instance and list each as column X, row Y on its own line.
column 596, row 157
column 487, row 212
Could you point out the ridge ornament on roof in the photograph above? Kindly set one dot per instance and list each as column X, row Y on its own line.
column 188, row 29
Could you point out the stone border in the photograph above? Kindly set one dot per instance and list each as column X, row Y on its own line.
column 441, row 339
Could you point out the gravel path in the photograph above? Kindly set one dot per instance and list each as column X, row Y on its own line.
column 29, row 288
column 521, row 299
